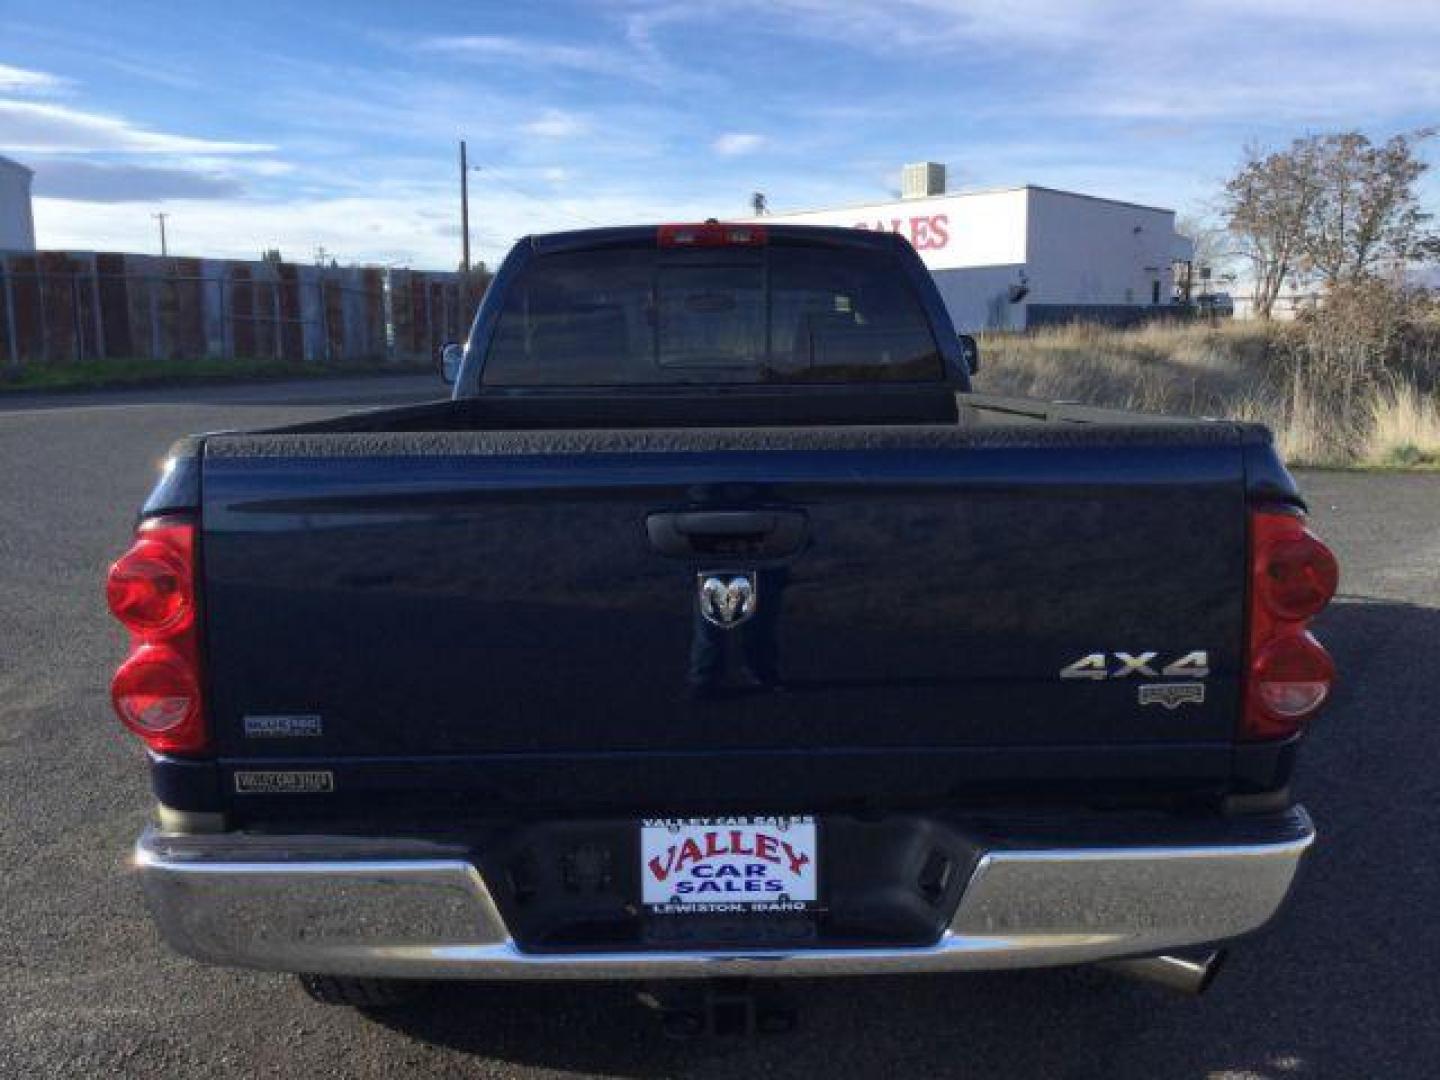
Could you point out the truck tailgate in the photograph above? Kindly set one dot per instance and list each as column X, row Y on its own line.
column 489, row 596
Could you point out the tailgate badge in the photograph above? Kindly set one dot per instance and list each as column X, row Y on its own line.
column 727, row 597
column 284, row 782
column 283, row 727
column 1172, row 695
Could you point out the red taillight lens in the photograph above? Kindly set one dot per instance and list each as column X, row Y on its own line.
column 1290, row 678
column 1292, row 577
column 156, row 696
column 149, row 587
column 1295, row 573
column 151, row 590
column 710, row 234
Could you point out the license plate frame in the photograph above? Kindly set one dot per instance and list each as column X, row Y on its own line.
column 747, row 865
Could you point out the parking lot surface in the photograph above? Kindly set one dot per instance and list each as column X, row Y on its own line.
column 1344, row 985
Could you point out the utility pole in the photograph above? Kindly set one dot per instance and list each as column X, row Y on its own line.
column 464, row 211
column 161, row 218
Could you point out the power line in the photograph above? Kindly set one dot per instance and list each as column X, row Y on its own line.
column 489, row 172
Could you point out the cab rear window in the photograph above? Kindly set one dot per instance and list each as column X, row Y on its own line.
column 771, row 314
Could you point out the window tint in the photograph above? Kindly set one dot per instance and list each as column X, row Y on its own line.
column 644, row 316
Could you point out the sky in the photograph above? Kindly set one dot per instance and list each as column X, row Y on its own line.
column 313, row 125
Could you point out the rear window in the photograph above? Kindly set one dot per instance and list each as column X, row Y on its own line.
column 772, row 314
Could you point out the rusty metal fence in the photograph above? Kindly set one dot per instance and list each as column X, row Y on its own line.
column 64, row 307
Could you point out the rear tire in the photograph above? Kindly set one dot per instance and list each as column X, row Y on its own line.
column 360, row 993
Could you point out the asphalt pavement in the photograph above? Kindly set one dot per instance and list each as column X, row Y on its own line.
column 1344, row 985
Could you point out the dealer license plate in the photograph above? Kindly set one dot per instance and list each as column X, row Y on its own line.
column 719, row 865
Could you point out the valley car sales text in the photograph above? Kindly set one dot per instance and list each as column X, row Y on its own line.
column 717, row 863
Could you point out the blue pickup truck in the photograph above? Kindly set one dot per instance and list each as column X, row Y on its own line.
column 714, row 627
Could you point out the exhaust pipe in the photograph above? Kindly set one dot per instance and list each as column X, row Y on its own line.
column 1190, row 977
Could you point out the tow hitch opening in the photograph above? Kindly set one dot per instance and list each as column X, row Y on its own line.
column 720, row 1008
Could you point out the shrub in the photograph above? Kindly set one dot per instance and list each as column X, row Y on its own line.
column 1354, row 381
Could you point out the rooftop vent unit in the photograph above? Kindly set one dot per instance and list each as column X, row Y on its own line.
column 922, row 179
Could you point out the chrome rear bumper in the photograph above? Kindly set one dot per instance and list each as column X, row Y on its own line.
column 343, row 906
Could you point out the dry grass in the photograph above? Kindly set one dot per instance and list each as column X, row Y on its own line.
column 1358, row 391
column 1192, row 370
column 1304, row 432
column 1404, row 427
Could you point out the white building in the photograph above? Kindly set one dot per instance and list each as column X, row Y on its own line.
column 1012, row 258
column 17, row 221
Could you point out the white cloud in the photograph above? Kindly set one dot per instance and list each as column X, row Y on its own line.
column 364, row 229
column 418, row 227
column 555, row 124
column 635, row 59
column 928, row 25
column 236, row 165
column 1372, row 14
column 735, row 143
column 1265, row 83
column 535, row 53
column 41, row 127
column 70, row 177
column 18, row 80
column 1027, row 25
column 1246, row 62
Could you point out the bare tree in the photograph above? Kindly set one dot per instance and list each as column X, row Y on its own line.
column 1367, row 217
column 1337, row 208
column 1213, row 250
column 1213, row 247
column 1268, row 207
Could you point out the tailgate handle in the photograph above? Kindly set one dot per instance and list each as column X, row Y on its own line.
column 765, row 534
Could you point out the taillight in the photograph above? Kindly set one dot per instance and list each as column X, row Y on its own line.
column 1297, row 573
column 1293, row 575
column 151, row 590
column 155, row 691
column 1293, row 676
column 710, row 234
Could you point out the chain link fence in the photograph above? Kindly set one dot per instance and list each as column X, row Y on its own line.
column 61, row 308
